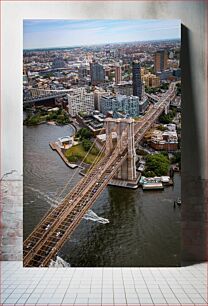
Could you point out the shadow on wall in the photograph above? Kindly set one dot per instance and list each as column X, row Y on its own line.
column 193, row 226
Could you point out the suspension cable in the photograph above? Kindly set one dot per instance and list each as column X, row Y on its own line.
column 77, row 170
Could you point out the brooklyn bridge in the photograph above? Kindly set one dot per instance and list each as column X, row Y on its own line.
column 117, row 159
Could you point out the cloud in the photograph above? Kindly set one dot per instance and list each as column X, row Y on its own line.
column 61, row 32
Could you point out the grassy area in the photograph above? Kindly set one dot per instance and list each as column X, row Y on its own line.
column 167, row 118
column 77, row 153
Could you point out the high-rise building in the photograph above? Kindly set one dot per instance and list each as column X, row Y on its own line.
column 161, row 57
column 97, row 73
column 126, row 105
column 118, row 76
column 82, row 71
column 80, row 101
column 136, row 78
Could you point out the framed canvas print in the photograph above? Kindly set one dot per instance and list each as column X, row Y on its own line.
column 102, row 135
column 103, row 153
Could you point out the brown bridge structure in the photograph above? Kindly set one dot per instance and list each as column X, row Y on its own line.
column 118, row 162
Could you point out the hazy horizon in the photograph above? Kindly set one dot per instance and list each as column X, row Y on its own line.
column 81, row 46
column 49, row 34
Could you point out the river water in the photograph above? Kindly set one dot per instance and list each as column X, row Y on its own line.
column 125, row 228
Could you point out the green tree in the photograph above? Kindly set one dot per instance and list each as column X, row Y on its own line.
column 164, row 86
column 84, row 133
column 33, row 120
column 157, row 163
column 165, row 153
column 86, row 144
column 72, row 158
column 167, row 118
column 176, row 158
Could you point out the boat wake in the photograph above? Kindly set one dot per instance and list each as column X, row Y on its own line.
column 90, row 215
column 53, row 202
column 59, row 263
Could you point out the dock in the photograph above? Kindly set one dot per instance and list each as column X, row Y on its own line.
column 56, row 148
column 126, row 184
column 153, row 186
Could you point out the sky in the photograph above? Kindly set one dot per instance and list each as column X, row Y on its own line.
column 49, row 33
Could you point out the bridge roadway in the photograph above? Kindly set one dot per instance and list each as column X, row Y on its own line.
column 59, row 223
column 31, row 100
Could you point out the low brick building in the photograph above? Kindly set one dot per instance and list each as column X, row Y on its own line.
column 164, row 140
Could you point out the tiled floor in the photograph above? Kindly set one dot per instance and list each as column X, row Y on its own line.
column 103, row 286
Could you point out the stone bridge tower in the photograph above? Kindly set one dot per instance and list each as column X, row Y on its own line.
column 120, row 132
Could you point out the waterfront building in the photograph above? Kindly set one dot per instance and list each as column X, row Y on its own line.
column 80, row 101
column 65, row 142
column 118, row 75
column 93, row 121
column 136, row 78
column 164, row 141
column 128, row 106
column 97, row 73
column 160, row 60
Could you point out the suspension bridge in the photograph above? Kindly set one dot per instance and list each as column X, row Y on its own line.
column 118, row 162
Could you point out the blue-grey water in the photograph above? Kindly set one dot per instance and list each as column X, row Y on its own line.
column 143, row 228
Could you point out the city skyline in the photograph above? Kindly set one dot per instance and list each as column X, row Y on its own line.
column 113, row 113
column 71, row 33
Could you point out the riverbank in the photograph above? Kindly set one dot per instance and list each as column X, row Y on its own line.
column 54, row 116
column 56, row 148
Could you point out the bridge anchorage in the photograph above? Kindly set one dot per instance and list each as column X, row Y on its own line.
column 126, row 176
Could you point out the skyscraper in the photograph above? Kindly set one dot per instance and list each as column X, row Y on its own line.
column 118, row 76
column 97, row 73
column 161, row 58
column 136, row 78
